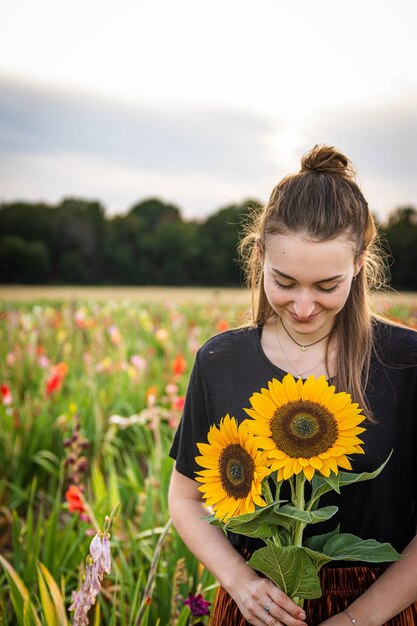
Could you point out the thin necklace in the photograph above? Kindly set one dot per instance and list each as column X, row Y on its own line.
column 300, row 374
column 303, row 346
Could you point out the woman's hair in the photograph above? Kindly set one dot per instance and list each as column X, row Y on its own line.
column 321, row 202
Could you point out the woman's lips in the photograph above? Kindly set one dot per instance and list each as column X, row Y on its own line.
column 303, row 320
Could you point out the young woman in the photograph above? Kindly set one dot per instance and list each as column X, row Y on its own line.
column 311, row 262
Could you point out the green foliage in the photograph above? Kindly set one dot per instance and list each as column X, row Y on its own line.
column 290, row 568
column 74, row 243
column 291, row 563
column 117, row 355
column 401, row 235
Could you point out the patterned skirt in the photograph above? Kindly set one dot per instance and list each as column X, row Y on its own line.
column 341, row 587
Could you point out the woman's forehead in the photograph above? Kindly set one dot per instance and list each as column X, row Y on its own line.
column 297, row 253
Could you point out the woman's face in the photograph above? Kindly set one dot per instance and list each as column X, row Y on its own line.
column 307, row 282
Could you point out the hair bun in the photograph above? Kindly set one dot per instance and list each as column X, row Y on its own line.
column 324, row 158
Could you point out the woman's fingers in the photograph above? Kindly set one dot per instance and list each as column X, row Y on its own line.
column 287, row 615
column 262, row 603
column 283, row 609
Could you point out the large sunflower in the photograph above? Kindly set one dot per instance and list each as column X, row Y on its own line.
column 305, row 426
column 234, row 469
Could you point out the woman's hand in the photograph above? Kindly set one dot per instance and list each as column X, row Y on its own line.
column 262, row 603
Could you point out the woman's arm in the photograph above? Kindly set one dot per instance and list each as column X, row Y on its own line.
column 394, row 591
column 211, row 546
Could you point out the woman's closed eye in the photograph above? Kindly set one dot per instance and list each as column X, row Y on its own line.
column 322, row 289
column 281, row 286
column 328, row 289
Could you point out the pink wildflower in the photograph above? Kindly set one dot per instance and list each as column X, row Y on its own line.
column 115, row 336
column 98, row 562
column 138, row 362
column 106, row 554
column 96, row 548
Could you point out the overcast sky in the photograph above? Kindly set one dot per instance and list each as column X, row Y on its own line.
column 203, row 104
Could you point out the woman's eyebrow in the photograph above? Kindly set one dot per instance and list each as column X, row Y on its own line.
column 323, row 280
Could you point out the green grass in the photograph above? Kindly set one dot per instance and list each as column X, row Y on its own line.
column 120, row 355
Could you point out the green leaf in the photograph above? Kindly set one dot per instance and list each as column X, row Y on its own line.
column 318, row 558
column 288, row 511
column 262, row 523
column 321, row 484
column 347, row 547
column 317, row 542
column 56, row 596
column 184, row 616
column 48, row 460
column 290, row 568
column 97, row 616
column 46, row 602
column 99, row 485
column 29, row 612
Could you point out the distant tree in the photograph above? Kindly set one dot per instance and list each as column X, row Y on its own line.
column 78, row 228
column 30, row 221
column 176, row 254
column 73, row 242
column 152, row 212
column 161, row 251
column 13, row 259
column 120, row 250
column 72, row 269
column 401, row 235
column 37, row 263
column 220, row 235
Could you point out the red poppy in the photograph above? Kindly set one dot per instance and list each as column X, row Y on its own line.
column 74, row 499
column 6, row 395
column 179, row 365
column 222, row 325
column 56, row 378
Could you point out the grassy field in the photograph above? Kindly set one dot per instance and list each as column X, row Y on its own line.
column 93, row 382
column 221, row 295
column 137, row 294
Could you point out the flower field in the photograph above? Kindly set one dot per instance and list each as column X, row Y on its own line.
column 91, row 394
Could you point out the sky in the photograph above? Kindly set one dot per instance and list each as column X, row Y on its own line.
column 203, row 104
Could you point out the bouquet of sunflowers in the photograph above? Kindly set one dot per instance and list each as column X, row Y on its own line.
column 300, row 433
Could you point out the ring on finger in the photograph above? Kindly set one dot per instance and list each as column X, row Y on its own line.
column 268, row 606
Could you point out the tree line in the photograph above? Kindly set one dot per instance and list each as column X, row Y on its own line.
column 74, row 242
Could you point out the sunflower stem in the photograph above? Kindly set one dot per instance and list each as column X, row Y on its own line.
column 299, row 503
column 293, row 496
column 266, row 491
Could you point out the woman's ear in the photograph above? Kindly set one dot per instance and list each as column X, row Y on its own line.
column 359, row 264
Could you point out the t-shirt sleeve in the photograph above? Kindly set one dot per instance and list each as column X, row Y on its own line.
column 194, row 425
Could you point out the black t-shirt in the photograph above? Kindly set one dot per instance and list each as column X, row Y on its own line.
column 231, row 366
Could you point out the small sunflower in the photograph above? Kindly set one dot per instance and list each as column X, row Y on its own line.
column 234, row 469
column 305, row 426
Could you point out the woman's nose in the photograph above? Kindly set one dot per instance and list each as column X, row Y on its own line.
column 304, row 306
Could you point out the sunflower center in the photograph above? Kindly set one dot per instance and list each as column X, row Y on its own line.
column 236, row 468
column 303, row 429
column 304, row 426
